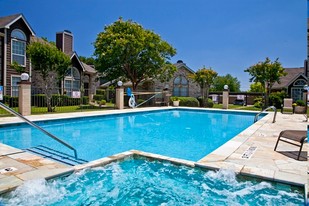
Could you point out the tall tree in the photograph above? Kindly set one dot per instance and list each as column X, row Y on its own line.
column 256, row 87
column 267, row 73
column 125, row 50
column 50, row 63
column 232, row 82
column 205, row 78
column 87, row 60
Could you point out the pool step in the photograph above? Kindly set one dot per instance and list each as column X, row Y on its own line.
column 50, row 153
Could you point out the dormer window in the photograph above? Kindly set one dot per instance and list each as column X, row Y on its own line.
column 19, row 40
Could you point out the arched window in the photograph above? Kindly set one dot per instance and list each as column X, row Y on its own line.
column 181, row 86
column 300, row 83
column 18, row 47
column 72, row 81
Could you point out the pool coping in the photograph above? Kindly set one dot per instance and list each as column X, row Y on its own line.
column 215, row 160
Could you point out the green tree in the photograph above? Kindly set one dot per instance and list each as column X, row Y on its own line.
column 205, row 78
column 50, row 63
column 232, row 82
column 88, row 60
column 125, row 50
column 267, row 73
column 256, row 87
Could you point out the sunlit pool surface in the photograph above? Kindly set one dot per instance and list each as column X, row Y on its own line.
column 142, row 182
column 186, row 134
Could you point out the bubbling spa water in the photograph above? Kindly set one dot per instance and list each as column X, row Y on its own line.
column 142, row 182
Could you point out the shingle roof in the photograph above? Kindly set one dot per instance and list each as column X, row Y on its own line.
column 88, row 68
column 181, row 64
column 6, row 21
column 292, row 74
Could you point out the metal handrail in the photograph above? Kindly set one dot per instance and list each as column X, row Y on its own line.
column 148, row 99
column 37, row 127
column 271, row 107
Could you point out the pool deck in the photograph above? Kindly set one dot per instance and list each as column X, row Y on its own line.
column 256, row 142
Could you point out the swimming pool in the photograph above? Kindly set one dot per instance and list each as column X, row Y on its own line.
column 181, row 133
column 138, row 181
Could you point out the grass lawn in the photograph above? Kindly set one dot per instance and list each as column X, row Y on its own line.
column 63, row 109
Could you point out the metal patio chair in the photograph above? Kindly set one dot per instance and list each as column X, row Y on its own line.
column 294, row 137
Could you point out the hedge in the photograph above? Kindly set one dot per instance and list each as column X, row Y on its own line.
column 188, row 101
column 11, row 101
column 39, row 100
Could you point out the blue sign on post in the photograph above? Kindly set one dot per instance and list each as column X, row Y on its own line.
column 1, row 92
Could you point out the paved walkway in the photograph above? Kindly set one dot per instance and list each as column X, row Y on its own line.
column 258, row 141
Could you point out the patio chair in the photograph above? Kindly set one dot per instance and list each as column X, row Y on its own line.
column 287, row 105
column 294, row 137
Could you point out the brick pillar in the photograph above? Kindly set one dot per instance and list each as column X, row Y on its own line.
column 24, row 98
column 225, row 99
column 119, row 97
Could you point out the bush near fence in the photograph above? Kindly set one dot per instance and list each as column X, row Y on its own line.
column 187, row 101
column 11, row 101
column 39, row 100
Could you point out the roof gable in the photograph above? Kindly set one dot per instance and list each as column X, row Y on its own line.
column 292, row 75
column 180, row 64
column 7, row 21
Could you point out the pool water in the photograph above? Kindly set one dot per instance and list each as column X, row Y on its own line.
column 141, row 182
column 186, row 134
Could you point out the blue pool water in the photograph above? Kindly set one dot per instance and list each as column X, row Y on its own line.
column 186, row 134
column 140, row 182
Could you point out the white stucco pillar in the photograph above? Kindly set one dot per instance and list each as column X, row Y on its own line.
column 119, row 98
column 225, row 99
column 24, row 98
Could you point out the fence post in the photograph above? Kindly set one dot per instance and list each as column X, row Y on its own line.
column 24, row 98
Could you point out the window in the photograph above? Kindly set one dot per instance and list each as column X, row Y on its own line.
column 19, row 47
column 300, row 82
column 181, row 86
column 72, row 81
column 14, row 91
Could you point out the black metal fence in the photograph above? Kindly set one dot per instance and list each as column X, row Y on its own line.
column 52, row 100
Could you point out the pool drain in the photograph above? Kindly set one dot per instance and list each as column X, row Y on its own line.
column 248, row 153
column 7, row 169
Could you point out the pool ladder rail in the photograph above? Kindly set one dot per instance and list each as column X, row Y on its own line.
column 53, row 154
column 38, row 127
column 271, row 107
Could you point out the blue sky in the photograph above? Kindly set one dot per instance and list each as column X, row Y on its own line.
column 227, row 35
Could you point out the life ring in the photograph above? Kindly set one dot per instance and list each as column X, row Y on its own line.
column 132, row 102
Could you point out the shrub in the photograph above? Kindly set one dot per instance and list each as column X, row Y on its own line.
column 276, row 99
column 13, row 102
column 139, row 101
column 300, row 102
column 85, row 100
column 258, row 102
column 174, row 98
column 102, row 102
column 100, row 92
column 209, row 103
column 98, row 97
column 188, row 102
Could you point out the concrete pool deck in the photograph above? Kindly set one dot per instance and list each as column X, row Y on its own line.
column 258, row 141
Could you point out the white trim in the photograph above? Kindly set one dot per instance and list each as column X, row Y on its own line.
column 75, row 54
column 16, row 19
column 5, row 59
column 17, row 40
column 293, row 79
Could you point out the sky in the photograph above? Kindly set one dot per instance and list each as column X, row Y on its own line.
column 226, row 35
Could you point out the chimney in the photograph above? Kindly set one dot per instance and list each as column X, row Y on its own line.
column 64, row 41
